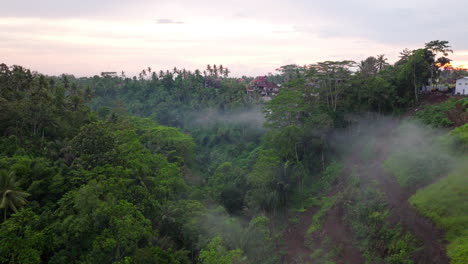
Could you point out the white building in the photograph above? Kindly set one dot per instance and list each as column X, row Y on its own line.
column 462, row 86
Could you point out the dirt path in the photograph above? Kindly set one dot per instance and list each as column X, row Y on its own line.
column 431, row 243
column 295, row 241
column 430, row 238
column 333, row 230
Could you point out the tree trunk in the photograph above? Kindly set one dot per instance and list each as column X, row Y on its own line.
column 415, row 86
column 323, row 159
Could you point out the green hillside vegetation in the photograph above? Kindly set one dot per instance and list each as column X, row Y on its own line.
column 436, row 114
column 419, row 158
column 181, row 167
column 445, row 203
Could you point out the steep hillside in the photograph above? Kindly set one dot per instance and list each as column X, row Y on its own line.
column 401, row 197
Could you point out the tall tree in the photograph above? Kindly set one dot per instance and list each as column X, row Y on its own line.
column 439, row 46
column 331, row 79
column 415, row 71
column 369, row 66
column 381, row 61
column 436, row 47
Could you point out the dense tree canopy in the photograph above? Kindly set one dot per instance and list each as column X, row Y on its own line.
column 187, row 167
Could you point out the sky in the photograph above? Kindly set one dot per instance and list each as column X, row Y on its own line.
column 250, row 37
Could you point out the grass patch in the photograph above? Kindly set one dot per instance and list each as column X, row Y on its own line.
column 325, row 253
column 417, row 155
column 307, row 203
column 294, row 220
column 328, row 177
column 445, row 202
column 317, row 220
column 457, row 139
column 412, row 168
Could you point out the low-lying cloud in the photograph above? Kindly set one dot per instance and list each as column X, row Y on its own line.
column 168, row 21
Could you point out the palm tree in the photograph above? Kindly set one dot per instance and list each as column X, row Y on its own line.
column 215, row 70
column 226, row 72
column 11, row 197
column 221, row 70
column 381, row 61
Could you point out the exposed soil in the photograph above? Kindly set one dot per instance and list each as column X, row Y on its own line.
column 335, row 229
column 427, row 99
column 295, row 241
column 435, row 98
column 429, row 237
column 459, row 115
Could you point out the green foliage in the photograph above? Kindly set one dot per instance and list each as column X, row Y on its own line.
column 326, row 252
column 21, row 240
column 215, row 253
column 326, row 203
column 373, row 93
column 46, row 107
column 255, row 238
column 11, row 197
column 416, row 155
column 414, row 71
column 457, row 139
column 169, row 141
column 95, row 145
column 366, row 212
column 445, row 203
column 416, row 167
column 436, row 114
column 328, row 177
column 263, row 180
column 95, row 229
column 155, row 255
column 110, row 191
column 133, row 190
column 227, row 186
column 286, row 109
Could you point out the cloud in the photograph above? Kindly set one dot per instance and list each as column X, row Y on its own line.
column 395, row 22
column 168, row 21
column 90, row 37
column 68, row 9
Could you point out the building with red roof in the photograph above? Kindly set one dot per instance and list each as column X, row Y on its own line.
column 263, row 87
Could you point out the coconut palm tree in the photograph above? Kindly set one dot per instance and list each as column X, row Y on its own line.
column 221, row 70
column 226, row 72
column 11, row 197
column 381, row 61
column 215, row 70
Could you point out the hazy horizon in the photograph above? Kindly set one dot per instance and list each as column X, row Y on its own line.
column 250, row 38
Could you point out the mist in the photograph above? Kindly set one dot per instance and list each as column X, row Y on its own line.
column 418, row 150
column 253, row 117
